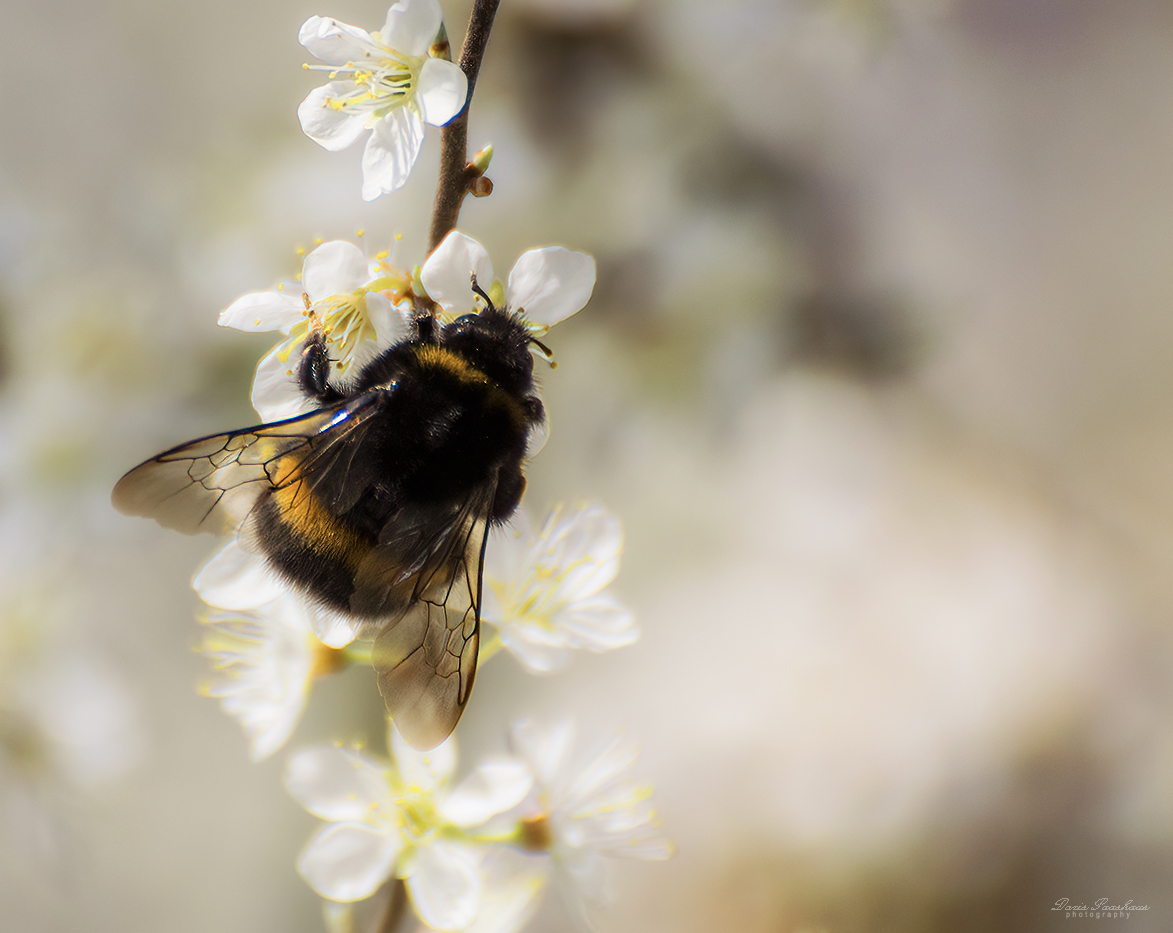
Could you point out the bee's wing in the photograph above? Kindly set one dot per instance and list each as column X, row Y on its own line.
column 213, row 483
column 426, row 655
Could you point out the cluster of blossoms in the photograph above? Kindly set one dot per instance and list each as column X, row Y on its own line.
column 477, row 855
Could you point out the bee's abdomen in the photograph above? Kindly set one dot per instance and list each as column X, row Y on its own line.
column 315, row 550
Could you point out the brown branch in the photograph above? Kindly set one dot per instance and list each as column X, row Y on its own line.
column 395, row 910
column 456, row 177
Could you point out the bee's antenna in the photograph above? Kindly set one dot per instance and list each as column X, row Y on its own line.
column 481, row 292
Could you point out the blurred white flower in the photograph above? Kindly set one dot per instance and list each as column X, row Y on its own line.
column 546, row 285
column 260, row 639
column 543, row 590
column 389, row 86
column 263, row 662
column 402, row 821
column 511, row 881
column 358, row 303
column 67, row 716
column 66, row 719
column 581, row 814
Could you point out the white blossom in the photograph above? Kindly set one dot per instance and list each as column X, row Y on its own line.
column 511, row 882
column 360, row 305
column 384, row 82
column 259, row 635
column 544, row 590
column 582, row 814
column 68, row 723
column 545, row 285
column 402, row 821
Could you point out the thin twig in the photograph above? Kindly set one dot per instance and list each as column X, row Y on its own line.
column 455, row 175
column 396, row 908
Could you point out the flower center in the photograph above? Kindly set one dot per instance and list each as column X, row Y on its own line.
column 534, row 833
column 420, row 817
column 326, row 660
column 540, row 595
column 345, row 321
column 379, row 86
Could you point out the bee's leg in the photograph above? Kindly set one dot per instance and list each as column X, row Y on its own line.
column 510, row 486
column 313, row 372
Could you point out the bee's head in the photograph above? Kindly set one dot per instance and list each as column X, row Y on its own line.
column 497, row 342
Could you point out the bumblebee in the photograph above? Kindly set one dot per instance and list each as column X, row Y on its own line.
column 377, row 504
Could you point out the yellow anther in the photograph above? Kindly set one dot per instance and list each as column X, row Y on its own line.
column 382, row 254
column 359, row 233
column 305, row 66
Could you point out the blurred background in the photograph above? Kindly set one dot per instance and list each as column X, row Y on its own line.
column 878, row 375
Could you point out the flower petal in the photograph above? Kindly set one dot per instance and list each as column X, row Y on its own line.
column 584, row 546
column 540, row 650
column 509, row 555
column 551, row 284
column 391, row 152
column 597, row 623
column 546, row 751
column 590, row 879
column 232, row 578
column 411, row 26
column 445, row 885
column 335, row 629
column 338, row 784
column 337, row 267
column 348, row 861
column 331, row 127
column 494, row 787
column 512, row 882
column 261, row 311
column 447, row 273
column 440, row 91
column 276, row 395
column 423, row 771
column 336, row 43
column 391, row 325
